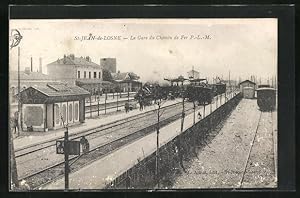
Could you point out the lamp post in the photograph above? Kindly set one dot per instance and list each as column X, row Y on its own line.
column 19, row 97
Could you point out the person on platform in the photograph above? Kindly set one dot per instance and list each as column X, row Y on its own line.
column 16, row 122
column 126, row 107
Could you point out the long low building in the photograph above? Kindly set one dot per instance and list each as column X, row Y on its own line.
column 51, row 106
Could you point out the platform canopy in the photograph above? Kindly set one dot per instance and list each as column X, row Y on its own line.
column 197, row 80
column 51, row 93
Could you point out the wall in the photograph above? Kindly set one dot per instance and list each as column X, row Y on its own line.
column 246, row 84
column 64, row 73
column 142, row 175
column 33, row 115
column 87, row 70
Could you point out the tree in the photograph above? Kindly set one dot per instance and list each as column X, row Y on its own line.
column 107, row 75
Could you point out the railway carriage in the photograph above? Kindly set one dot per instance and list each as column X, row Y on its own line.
column 266, row 98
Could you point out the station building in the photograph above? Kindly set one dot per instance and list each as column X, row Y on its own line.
column 51, row 106
column 247, row 88
column 27, row 78
column 79, row 71
column 127, row 81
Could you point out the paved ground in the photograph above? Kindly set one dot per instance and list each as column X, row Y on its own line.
column 236, row 147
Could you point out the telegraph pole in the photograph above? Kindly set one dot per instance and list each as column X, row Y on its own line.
column 13, row 166
column 66, row 151
column 183, row 114
column 157, row 147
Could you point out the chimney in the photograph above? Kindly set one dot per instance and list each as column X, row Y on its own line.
column 64, row 59
column 72, row 56
column 31, row 65
column 88, row 59
column 27, row 70
column 40, row 66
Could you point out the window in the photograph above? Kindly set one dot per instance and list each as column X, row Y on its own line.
column 78, row 74
column 84, row 75
column 89, row 74
column 99, row 74
column 95, row 74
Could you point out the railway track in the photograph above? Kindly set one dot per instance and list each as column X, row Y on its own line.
column 40, row 146
column 55, row 171
column 262, row 116
column 249, row 153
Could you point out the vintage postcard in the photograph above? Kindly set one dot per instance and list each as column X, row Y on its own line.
column 98, row 104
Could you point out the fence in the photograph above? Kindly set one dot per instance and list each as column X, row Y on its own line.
column 143, row 175
column 96, row 105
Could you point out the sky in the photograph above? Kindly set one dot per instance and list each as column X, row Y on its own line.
column 242, row 46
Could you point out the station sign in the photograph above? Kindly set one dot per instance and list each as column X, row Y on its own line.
column 74, row 147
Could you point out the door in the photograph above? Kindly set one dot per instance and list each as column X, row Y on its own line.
column 70, row 112
column 57, row 117
column 76, row 111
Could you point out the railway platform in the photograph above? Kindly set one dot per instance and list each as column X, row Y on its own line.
column 101, row 172
column 242, row 154
column 33, row 138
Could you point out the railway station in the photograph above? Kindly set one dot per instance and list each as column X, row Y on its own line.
column 142, row 114
column 185, row 149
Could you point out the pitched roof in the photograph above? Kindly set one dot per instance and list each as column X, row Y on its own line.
column 59, row 89
column 120, row 76
column 247, row 81
column 191, row 71
column 76, row 61
column 13, row 75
